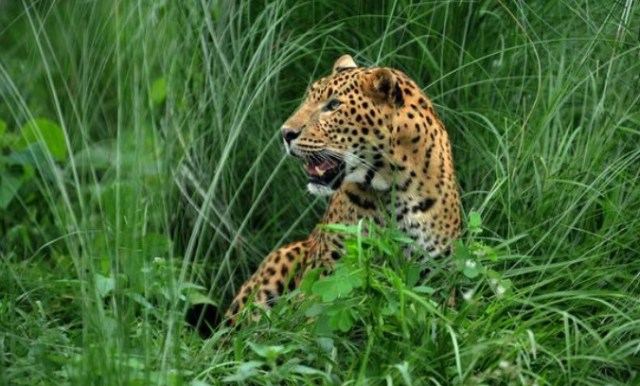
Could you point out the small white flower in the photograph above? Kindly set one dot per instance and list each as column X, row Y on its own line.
column 467, row 295
column 470, row 264
column 500, row 290
column 504, row 364
column 493, row 282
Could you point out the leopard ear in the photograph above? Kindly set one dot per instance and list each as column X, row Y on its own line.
column 382, row 86
column 344, row 62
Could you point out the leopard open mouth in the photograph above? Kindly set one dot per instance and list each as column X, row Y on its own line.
column 325, row 170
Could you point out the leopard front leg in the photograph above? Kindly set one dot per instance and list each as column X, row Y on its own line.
column 284, row 268
column 276, row 273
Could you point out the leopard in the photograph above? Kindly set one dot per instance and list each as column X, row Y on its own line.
column 370, row 139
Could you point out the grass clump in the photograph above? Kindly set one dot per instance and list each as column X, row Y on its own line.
column 141, row 172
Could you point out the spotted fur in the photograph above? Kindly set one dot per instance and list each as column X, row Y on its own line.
column 385, row 131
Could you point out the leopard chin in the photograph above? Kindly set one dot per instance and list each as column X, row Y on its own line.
column 319, row 189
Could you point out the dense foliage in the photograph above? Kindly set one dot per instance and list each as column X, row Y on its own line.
column 142, row 175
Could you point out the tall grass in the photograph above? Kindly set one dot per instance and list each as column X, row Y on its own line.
column 141, row 173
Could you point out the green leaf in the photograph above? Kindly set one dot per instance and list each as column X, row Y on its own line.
column 9, row 186
column 484, row 252
column 403, row 369
column 506, row 283
column 330, row 289
column 355, row 278
column 47, row 132
column 472, row 269
column 325, row 344
column 104, row 284
column 270, row 353
column 386, row 248
column 7, row 138
column 390, row 308
column 98, row 156
column 341, row 283
column 136, row 297
column 310, row 278
column 475, row 222
column 342, row 319
column 314, row 310
column 352, row 229
column 413, row 275
column 196, row 297
column 423, row 289
column 159, row 91
column 401, row 237
column 32, row 155
column 306, row 370
column 461, row 254
column 322, row 326
column 470, row 273
column 245, row 370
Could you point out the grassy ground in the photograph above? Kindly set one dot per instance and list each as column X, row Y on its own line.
column 141, row 173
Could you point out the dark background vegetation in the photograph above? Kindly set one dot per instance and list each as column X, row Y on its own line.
column 141, row 173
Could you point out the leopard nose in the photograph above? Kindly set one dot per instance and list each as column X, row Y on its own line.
column 289, row 134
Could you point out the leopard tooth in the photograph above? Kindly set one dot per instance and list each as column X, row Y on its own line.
column 319, row 171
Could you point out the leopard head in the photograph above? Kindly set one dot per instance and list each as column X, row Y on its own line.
column 343, row 130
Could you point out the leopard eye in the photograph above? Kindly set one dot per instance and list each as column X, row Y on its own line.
column 332, row 105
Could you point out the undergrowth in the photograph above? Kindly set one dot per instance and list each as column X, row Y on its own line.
column 141, row 174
